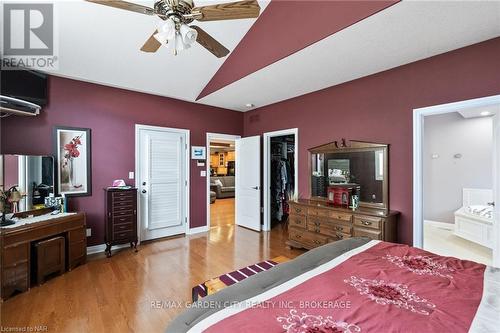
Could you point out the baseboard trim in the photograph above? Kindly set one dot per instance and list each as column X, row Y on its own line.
column 101, row 247
column 442, row 225
column 198, row 230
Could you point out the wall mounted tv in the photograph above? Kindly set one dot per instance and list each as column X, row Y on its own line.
column 27, row 85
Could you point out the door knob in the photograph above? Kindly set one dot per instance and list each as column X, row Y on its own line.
column 255, row 187
column 143, row 183
column 144, row 191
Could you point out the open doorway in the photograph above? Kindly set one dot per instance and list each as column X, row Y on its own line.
column 221, row 168
column 456, row 179
column 280, row 176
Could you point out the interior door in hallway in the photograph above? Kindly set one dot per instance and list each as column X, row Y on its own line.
column 248, row 182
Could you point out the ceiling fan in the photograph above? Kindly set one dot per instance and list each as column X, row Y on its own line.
column 175, row 16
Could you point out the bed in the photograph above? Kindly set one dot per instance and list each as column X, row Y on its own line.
column 474, row 220
column 355, row 285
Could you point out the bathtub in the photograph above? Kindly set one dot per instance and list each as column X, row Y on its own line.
column 472, row 221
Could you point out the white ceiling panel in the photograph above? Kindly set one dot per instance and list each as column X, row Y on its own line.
column 101, row 44
column 403, row 33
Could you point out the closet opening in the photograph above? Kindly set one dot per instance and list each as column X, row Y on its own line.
column 280, row 176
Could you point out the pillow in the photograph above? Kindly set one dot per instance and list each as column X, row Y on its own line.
column 217, row 182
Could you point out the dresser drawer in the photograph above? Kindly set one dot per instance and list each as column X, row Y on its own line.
column 130, row 203
column 127, row 200
column 336, row 233
column 297, row 221
column 117, row 228
column 125, row 208
column 318, row 212
column 309, row 239
column 123, row 219
column 344, row 217
column 123, row 213
column 15, row 275
column 15, row 255
column 370, row 233
column 367, row 221
column 123, row 235
column 123, row 194
column 297, row 209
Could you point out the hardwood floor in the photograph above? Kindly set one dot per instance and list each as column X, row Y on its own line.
column 222, row 212
column 116, row 294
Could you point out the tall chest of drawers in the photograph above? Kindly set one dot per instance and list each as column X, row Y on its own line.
column 312, row 224
column 121, row 218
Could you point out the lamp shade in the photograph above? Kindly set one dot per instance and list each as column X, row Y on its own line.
column 188, row 34
column 166, row 31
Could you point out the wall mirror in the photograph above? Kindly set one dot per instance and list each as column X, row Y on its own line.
column 33, row 176
column 360, row 165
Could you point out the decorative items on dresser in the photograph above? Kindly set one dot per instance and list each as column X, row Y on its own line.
column 121, row 218
column 40, row 244
column 349, row 196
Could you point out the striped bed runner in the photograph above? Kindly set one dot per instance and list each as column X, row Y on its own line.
column 231, row 278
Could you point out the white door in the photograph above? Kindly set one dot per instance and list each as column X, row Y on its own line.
column 496, row 188
column 162, row 181
column 248, row 182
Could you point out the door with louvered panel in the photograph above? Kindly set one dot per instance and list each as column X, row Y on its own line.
column 162, row 181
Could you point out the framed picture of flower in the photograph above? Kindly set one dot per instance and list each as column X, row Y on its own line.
column 73, row 158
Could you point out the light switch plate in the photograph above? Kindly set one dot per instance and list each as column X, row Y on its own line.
column 89, row 232
column 203, row 173
column 130, row 175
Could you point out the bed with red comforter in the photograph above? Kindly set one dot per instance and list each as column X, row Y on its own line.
column 371, row 286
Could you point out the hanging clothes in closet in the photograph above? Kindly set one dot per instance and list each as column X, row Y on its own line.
column 281, row 179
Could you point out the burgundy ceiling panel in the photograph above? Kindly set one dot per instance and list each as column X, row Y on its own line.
column 285, row 27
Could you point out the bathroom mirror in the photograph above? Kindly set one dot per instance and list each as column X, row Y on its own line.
column 360, row 165
column 33, row 177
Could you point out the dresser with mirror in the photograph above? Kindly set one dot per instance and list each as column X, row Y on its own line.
column 349, row 186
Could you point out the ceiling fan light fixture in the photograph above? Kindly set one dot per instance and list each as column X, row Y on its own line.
column 167, row 28
column 188, row 34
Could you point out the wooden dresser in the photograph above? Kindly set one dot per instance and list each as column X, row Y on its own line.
column 314, row 223
column 121, row 218
column 16, row 246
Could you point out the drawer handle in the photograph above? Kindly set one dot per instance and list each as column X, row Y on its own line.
column 339, row 228
column 317, row 223
column 297, row 221
column 317, row 242
column 340, row 236
column 317, row 229
column 363, row 222
column 340, row 217
column 298, row 236
column 298, row 210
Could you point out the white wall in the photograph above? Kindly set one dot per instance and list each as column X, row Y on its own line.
column 446, row 176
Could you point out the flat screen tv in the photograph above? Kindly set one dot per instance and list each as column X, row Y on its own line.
column 27, row 85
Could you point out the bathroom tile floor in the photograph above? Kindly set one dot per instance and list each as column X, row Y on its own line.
column 443, row 241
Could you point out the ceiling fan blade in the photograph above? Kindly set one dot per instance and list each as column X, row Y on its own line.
column 208, row 42
column 151, row 45
column 125, row 5
column 227, row 11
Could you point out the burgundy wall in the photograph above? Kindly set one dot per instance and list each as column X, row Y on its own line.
column 379, row 108
column 112, row 114
column 10, row 171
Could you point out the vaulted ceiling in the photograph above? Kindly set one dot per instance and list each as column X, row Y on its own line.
column 293, row 48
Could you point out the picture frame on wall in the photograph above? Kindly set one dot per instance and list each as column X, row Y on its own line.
column 198, row 153
column 72, row 149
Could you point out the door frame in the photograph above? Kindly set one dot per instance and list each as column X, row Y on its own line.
column 187, row 157
column 418, row 136
column 267, row 170
column 212, row 137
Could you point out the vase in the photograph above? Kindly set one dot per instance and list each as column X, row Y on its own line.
column 71, row 173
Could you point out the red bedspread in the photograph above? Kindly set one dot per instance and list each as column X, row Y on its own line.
column 386, row 288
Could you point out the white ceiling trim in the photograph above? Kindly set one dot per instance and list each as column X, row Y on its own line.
column 403, row 33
